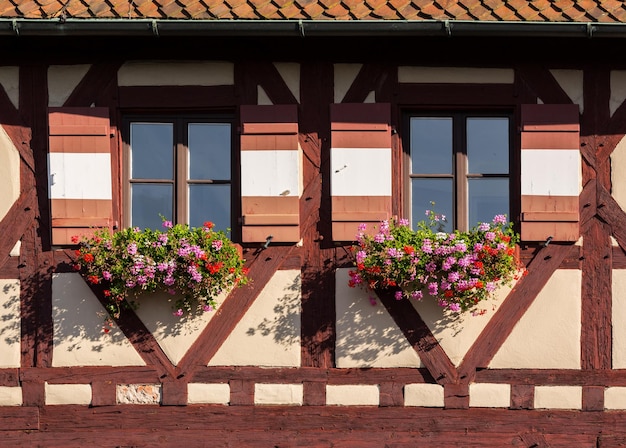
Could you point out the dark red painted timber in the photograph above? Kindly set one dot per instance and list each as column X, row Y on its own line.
column 541, row 82
column 143, row 97
column 270, row 79
column 455, row 95
column 96, row 81
column 368, row 80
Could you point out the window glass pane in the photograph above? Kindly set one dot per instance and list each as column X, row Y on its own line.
column 487, row 198
column 209, row 151
column 425, row 191
column 148, row 202
column 209, row 203
column 431, row 145
column 488, row 145
column 152, row 150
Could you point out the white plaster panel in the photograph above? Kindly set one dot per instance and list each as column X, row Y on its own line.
column 548, row 335
column 455, row 75
column 262, row 97
column 174, row 334
column 278, row 394
column 15, row 252
column 558, row 397
column 456, row 332
column 10, row 81
column 270, row 173
column 68, row 394
column 371, row 97
column 290, row 72
column 426, row 395
column 619, row 315
column 199, row 393
column 79, row 175
column 10, row 323
column 268, row 335
column 345, row 74
column 360, row 171
column 618, row 89
column 10, row 396
column 618, row 173
column 176, row 73
column 615, row 398
column 488, row 395
column 366, row 335
column 547, row 172
column 78, row 318
column 571, row 81
column 9, row 173
column 62, row 80
column 352, row 395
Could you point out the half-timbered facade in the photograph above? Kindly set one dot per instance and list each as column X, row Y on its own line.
column 290, row 124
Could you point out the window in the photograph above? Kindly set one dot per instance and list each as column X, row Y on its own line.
column 180, row 168
column 461, row 162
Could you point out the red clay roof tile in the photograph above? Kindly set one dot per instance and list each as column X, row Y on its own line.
column 484, row 10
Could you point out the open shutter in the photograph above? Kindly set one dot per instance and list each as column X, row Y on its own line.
column 550, row 172
column 79, row 171
column 360, row 167
column 270, row 173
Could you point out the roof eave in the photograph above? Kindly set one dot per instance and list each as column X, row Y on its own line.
column 304, row 28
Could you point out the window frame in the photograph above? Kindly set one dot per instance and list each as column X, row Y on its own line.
column 181, row 182
column 460, row 199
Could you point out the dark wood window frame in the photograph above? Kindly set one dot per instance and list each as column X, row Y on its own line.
column 180, row 120
column 460, row 174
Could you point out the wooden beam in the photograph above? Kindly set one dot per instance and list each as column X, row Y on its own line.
column 270, row 79
column 96, row 81
column 366, row 81
column 456, row 94
column 541, row 82
column 420, row 337
column 177, row 96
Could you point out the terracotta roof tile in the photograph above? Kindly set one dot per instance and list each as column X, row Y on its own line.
column 487, row 10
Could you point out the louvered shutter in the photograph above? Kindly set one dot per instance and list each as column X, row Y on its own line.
column 550, row 172
column 360, row 167
column 79, row 172
column 271, row 179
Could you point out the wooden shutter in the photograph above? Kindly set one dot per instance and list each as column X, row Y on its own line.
column 79, row 171
column 271, row 180
column 550, row 172
column 360, row 167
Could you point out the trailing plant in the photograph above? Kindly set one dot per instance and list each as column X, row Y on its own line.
column 458, row 269
column 195, row 264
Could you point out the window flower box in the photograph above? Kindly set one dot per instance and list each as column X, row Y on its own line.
column 458, row 269
column 194, row 265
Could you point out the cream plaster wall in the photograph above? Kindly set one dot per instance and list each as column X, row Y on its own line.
column 199, row 393
column 548, row 335
column 457, row 332
column 618, row 173
column 15, row 252
column 367, row 336
column 427, row 395
column 10, row 81
column 345, row 75
column 62, row 80
column 262, row 97
column 278, row 394
column 615, row 398
column 174, row 334
column 571, row 81
column 618, row 89
column 9, row 173
column 10, row 396
column 175, row 73
column 68, row 394
column 10, row 323
column 558, row 397
column 78, row 318
column 269, row 333
column 488, row 395
column 352, row 395
column 455, row 75
column 619, row 315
